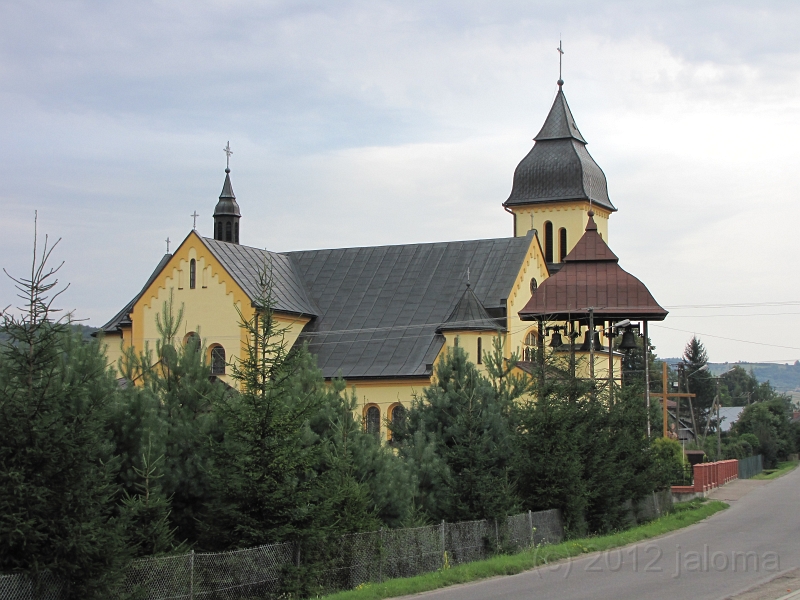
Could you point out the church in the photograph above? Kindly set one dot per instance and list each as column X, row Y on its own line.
column 380, row 317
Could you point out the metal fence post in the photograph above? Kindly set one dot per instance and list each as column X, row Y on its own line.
column 191, row 575
column 530, row 526
column 444, row 550
column 380, row 559
column 497, row 536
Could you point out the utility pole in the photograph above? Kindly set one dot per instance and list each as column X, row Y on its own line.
column 647, row 376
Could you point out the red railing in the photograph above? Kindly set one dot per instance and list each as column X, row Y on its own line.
column 708, row 476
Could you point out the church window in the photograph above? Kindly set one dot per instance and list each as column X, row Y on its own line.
column 236, row 232
column 480, row 351
column 534, row 285
column 374, row 421
column 192, row 340
column 396, row 416
column 228, row 237
column 529, row 346
column 218, row 360
column 562, row 244
column 192, row 274
column 548, row 242
column 455, row 342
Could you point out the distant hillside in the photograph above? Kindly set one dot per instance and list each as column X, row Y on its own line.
column 784, row 378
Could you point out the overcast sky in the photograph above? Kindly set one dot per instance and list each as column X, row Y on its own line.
column 366, row 123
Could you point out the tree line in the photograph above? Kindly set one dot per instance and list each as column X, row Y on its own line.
column 96, row 471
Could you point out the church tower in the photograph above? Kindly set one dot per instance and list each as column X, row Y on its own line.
column 556, row 185
column 226, row 213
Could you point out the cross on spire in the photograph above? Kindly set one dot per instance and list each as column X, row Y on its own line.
column 167, row 240
column 194, row 216
column 227, row 150
column 560, row 54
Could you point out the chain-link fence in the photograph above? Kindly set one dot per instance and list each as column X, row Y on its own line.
column 24, row 587
column 275, row 570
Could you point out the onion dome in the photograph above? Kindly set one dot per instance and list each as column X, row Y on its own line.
column 559, row 168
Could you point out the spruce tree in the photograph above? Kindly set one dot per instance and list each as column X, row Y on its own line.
column 57, row 509
column 458, row 439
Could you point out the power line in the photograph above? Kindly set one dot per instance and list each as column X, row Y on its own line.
column 735, row 305
column 725, row 338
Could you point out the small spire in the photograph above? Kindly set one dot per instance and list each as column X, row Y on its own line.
column 590, row 224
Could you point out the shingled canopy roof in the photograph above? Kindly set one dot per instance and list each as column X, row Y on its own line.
column 470, row 315
column 592, row 277
column 559, row 168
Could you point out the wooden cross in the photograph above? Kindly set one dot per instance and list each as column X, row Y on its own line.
column 227, row 150
column 194, row 216
column 167, row 240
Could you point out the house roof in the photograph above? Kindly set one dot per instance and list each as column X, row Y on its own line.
column 559, row 168
column 592, row 277
column 380, row 307
column 122, row 318
column 470, row 315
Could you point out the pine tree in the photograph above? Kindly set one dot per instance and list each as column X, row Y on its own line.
column 458, row 439
column 57, row 510
column 700, row 381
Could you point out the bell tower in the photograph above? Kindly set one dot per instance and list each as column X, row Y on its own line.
column 226, row 213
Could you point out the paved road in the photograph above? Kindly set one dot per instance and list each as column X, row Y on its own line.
column 762, row 525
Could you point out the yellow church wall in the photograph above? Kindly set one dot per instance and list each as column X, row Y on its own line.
column 569, row 215
column 385, row 395
column 210, row 309
column 533, row 267
column 468, row 341
column 113, row 344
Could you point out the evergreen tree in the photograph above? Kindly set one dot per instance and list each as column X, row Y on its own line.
column 458, row 439
column 57, row 509
column 700, row 381
column 168, row 412
column 275, row 478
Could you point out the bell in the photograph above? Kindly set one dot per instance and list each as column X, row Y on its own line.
column 555, row 341
column 628, row 340
column 586, row 341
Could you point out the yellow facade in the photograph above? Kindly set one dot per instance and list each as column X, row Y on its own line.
column 210, row 309
column 570, row 216
column 385, row 395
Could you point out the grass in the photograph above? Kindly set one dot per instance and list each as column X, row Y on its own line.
column 783, row 469
column 683, row 515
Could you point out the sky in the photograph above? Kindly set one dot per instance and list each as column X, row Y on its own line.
column 370, row 123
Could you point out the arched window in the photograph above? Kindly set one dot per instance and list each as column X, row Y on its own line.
column 192, row 340
column 480, row 351
column 529, row 345
column 217, row 360
column 548, row 242
column 236, row 232
column 373, row 421
column 218, row 230
column 228, row 234
column 192, row 274
column 397, row 415
column 562, row 244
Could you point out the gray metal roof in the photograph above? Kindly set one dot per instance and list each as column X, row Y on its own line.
column 245, row 265
column 470, row 315
column 380, row 307
column 227, row 204
column 559, row 124
column 123, row 316
column 559, row 168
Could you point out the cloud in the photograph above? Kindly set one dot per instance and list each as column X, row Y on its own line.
column 359, row 123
